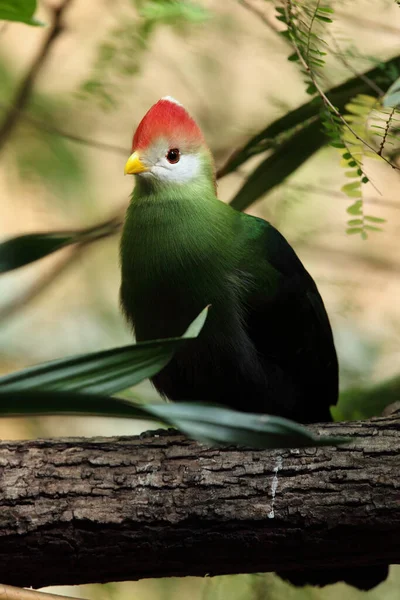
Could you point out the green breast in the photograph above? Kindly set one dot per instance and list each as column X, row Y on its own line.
column 177, row 256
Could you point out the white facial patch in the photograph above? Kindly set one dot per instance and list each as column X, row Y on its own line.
column 186, row 169
column 160, row 168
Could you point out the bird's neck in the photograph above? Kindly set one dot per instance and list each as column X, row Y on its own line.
column 151, row 191
column 175, row 220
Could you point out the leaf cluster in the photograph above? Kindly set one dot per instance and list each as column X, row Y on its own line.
column 84, row 385
column 122, row 54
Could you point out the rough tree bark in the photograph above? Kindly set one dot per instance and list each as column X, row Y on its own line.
column 95, row 510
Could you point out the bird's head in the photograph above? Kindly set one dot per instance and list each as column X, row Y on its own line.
column 169, row 147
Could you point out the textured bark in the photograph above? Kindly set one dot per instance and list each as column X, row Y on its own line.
column 95, row 510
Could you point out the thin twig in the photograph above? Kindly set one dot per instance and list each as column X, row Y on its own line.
column 69, row 136
column 341, row 57
column 386, row 133
column 9, row 592
column 24, row 90
column 310, row 28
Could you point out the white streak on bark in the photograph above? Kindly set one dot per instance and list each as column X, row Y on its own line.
column 274, row 486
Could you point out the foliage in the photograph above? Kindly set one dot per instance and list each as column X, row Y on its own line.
column 83, row 385
column 208, row 424
column 298, row 135
column 123, row 53
column 344, row 132
column 105, row 372
column 19, row 10
column 36, row 154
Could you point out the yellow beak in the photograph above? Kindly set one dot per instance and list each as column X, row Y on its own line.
column 134, row 165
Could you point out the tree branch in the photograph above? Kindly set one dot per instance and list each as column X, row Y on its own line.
column 96, row 510
column 24, row 91
column 8, row 592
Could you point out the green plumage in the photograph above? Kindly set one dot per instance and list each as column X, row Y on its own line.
column 267, row 344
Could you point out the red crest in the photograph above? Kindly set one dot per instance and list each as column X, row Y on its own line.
column 167, row 119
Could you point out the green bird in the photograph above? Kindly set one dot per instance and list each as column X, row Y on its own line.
column 267, row 344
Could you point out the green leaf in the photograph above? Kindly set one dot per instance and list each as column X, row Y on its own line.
column 356, row 208
column 354, row 230
column 105, row 372
column 38, row 402
column 311, row 89
column 24, row 249
column 352, row 190
column 203, row 422
column 353, row 222
column 322, row 18
column 372, row 228
column 218, row 425
column 392, row 97
column 19, row 10
column 374, row 219
column 326, row 9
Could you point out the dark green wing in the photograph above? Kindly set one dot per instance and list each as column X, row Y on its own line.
column 291, row 329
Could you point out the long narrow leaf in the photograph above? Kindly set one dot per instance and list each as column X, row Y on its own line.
column 340, row 95
column 282, row 163
column 218, row 425
column 202, row 422
column 105, row 372
column 27, row 403
column 24, row 249
column 392, row 96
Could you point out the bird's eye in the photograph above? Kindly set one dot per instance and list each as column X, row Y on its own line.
column 173, row 156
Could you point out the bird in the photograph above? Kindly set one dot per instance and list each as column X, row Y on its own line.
column 267, row 344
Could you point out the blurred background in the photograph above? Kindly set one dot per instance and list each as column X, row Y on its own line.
column 80, row 93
